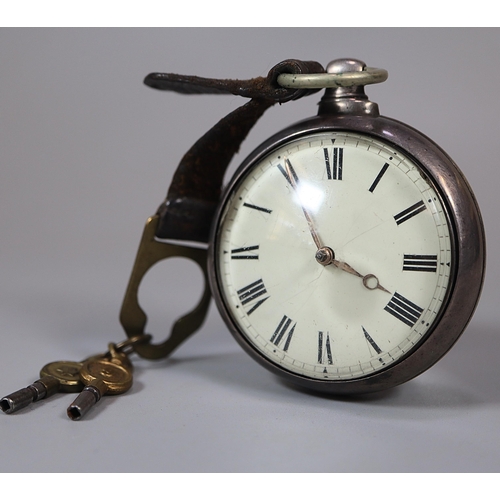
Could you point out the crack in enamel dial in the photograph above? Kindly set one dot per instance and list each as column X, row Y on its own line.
column 333, row 256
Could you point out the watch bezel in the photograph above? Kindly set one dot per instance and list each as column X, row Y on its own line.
column 468, row 245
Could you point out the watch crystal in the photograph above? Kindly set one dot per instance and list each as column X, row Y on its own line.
column 334, row 255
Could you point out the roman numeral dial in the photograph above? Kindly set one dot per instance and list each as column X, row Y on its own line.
column 333, row 255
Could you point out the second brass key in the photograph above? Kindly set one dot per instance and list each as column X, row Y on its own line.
column 100, row 376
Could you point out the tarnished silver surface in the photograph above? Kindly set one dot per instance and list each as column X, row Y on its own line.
column 340, row 73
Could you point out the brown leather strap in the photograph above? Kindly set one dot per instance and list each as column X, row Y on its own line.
column 195, row 190
column 262, row 88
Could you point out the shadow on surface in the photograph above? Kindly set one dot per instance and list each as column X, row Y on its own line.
column 466, row 377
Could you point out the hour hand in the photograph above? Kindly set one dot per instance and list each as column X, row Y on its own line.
column 326, row 256
column 370, row 281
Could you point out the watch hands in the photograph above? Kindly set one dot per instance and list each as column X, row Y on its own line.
column 370, row 281
column 325, row 255
column 291, row 177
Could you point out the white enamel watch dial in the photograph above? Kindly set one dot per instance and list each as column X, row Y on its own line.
column 333, row 256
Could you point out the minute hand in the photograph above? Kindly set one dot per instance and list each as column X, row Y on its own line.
column 291, row 177
column 324, row 254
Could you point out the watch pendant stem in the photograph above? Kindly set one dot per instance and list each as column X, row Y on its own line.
column 347, row 100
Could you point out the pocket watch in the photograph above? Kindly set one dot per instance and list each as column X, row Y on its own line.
column 346, row 254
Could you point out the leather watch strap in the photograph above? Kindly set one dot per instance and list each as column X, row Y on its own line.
column 194, row 193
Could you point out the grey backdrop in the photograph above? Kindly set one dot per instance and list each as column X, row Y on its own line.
column 87, row 153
